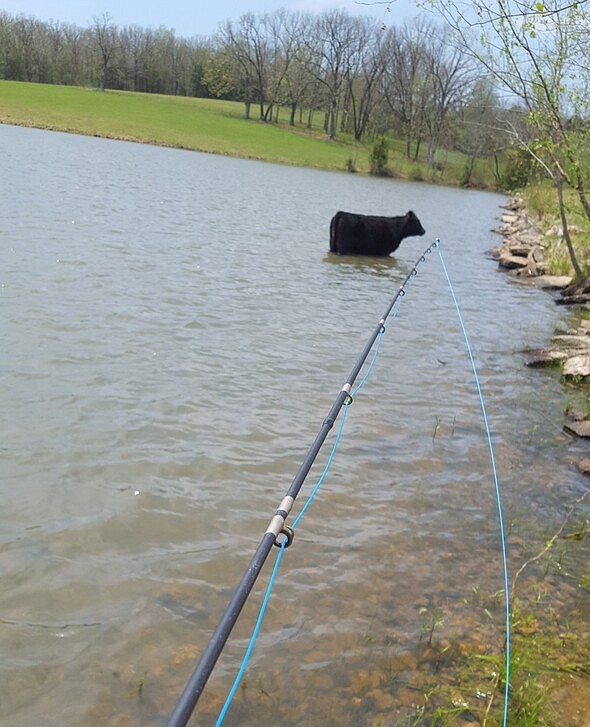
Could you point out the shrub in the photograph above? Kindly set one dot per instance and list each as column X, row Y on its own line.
column 351, row 165
column 378, row 159
column 519, row 170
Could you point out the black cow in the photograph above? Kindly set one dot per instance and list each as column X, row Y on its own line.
column 352, row 234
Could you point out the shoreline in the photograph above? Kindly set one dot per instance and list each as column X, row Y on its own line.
column 520, row 256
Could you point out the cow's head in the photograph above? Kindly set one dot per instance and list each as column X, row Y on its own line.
column 413, row 226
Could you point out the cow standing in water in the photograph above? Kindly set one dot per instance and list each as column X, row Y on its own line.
column 352, row 234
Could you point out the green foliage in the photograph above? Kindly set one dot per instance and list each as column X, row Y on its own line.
column 541, row 199
column 417, row 173
column 541, row 203
column 379, row 158
column 351, row 165
column 518, row 171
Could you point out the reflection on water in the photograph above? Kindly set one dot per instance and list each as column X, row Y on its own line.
column 174, row 334
column 354, row 264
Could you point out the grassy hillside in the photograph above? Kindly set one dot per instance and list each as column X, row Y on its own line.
column 204, row 125
column 189, row 123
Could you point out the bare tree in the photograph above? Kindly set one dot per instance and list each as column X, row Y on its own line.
column 405, row 87
column 365, row 71
column 247, row 50
column 331, row 49
column 478, row 129
column 105, row 36
column 451, row 75
column 299, row 79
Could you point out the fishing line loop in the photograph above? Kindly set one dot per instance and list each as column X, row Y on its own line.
column 289, row 534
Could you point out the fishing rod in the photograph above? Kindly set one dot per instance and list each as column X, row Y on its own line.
column 276, row 528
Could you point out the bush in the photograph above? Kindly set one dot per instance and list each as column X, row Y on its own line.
column 351, row 165
column 378, row 159
column 519, row 170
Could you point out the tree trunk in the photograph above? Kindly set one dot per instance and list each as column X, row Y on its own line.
column 417, row 150
column 468, row 171
column 566, row 232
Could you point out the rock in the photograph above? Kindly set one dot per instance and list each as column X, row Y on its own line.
column 511, row 262
column 539, row 357
column 578, row 293
column 552, row 282
column 521, row 249
column 581, row 299
column 580, row 429
column 575, row 415
column 513, row 203
column 536, row 262
column 529, row 238
column 518, row 249
column 521, row 254
column 577, row 367
column 571, row 701
column 573, row 342
column 383, row 701
column 584, row 466
column 407, row 698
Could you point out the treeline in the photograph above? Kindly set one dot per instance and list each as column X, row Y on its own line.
column 362, row 77
column 129, row 58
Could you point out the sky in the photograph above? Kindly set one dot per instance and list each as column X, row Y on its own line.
column 194, row 17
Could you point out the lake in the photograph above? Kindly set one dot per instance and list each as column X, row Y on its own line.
column 174, row 333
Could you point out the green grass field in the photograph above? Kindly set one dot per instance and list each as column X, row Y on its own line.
column 206, row 125
column 188, row 123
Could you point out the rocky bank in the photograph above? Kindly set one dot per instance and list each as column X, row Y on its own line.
column 521, row 256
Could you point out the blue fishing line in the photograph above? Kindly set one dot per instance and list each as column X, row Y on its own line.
column 392, row 315
column 326, row 468
column 322, row 477
column 391, row 318
column 495, row 476
column 261, row 613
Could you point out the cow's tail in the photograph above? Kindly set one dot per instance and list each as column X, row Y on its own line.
column 333, row 232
